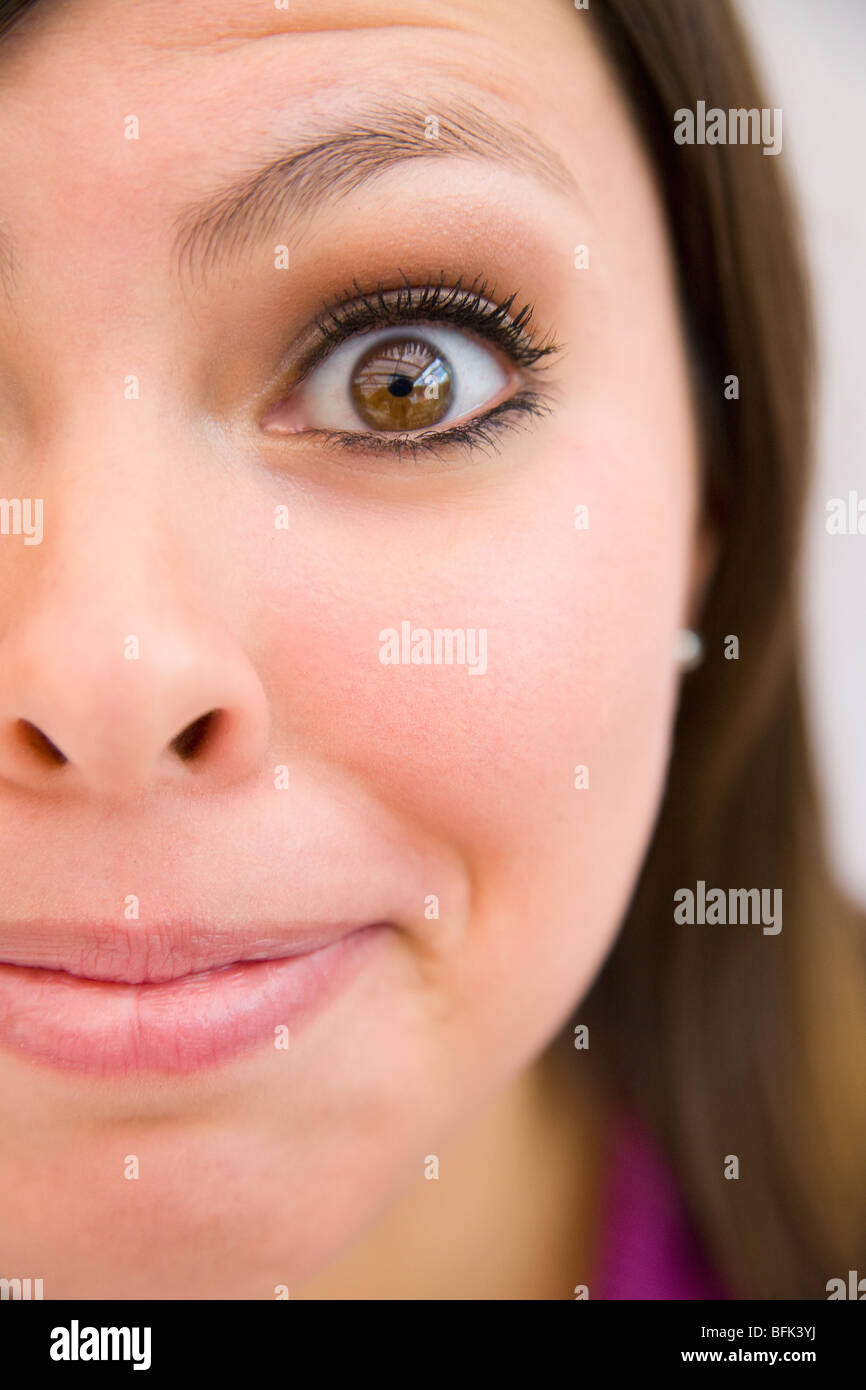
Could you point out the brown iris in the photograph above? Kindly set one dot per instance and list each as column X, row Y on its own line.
column 402, row 384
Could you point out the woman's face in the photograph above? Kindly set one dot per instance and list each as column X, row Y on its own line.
column 219, row 538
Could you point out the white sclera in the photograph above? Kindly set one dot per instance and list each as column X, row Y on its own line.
column 324, row 400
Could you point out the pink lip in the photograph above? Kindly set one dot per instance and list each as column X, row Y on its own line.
column 117, row 1002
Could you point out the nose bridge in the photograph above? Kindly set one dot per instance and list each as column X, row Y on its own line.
column 101, row 564
column 114, row 657
column 97, row 458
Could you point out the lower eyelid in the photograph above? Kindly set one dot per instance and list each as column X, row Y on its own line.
column 476, row 432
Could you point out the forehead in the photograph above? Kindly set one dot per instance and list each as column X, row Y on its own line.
column 209, row 79
column 217, row 89
column 318, row 43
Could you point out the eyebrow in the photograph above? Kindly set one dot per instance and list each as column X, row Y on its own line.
column 337, row 161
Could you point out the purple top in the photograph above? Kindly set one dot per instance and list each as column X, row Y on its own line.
column 649, row 1248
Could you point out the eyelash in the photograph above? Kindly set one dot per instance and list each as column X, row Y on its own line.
column 470, row 308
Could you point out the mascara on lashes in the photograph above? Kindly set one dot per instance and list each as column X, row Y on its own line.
column 474, row 308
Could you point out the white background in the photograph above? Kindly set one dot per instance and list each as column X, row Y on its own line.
column 813, row 57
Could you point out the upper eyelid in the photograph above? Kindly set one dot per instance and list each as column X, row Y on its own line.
column 410, row 303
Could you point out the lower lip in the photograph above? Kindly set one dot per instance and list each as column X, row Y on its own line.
column 108, row 1029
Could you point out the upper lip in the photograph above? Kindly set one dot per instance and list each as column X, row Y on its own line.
column 145, row 954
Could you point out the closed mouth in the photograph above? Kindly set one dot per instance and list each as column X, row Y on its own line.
column 112, row 1002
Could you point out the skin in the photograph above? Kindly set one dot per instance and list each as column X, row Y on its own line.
column 306, row 1168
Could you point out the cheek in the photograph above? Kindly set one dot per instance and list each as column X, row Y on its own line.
column 580, row 627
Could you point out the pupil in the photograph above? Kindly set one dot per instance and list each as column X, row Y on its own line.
column 400, row 385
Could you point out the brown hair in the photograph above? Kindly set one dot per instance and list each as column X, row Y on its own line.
column 10, row 10
column 729, row 1041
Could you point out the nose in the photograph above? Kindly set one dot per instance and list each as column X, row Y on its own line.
column 116, row 683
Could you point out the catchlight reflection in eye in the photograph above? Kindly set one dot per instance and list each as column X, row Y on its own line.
column 403, row 384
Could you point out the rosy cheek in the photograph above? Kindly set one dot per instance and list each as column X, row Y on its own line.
column 578, row 628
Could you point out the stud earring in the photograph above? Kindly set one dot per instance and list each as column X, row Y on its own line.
column 690, row 649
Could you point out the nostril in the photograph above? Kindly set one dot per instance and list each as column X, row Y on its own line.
column 191, row 740
column 39, row 743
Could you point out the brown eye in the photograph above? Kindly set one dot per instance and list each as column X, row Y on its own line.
column 415, row 381
column 402, row 384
